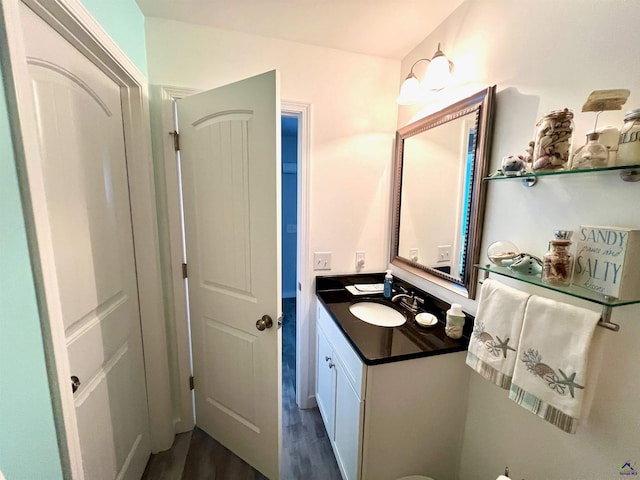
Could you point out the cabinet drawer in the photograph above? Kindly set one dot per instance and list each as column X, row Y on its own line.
column 353, row 366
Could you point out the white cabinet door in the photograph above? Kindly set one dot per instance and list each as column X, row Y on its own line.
column 325, row 382
column 348, row 424
column 340, row 380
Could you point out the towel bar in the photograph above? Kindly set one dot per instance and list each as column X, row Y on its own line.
column 605, row 318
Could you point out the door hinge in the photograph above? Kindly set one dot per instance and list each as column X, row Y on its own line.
column 184, row 270
column 176, row 140
column 191, row 382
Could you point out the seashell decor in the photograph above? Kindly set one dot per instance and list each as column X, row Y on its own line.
column 553, row 140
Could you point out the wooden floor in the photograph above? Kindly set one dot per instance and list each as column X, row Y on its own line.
column 306, row 455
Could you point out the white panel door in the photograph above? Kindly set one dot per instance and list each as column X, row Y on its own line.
column 84, row 167
column 230, row 156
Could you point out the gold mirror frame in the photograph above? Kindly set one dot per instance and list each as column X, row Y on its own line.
column 483, row 104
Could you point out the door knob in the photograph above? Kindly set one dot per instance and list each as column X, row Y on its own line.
column 75, row 383
column 264, row 323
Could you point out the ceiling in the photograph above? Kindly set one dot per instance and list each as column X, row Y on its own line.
column 384, row 28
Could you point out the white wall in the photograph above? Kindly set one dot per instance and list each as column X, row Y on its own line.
column 544, row 55
column 353, row 121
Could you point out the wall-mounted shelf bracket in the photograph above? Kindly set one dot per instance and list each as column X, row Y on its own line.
column 631, row 175
column 605, row 319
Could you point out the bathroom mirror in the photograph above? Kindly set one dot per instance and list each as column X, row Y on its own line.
column 439, row 195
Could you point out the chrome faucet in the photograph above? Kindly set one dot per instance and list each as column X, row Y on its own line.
column 401, row 295
column 408, row 301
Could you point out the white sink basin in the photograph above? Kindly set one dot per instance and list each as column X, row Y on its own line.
column 377, row 314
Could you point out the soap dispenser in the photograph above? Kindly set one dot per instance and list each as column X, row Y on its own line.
column 388, row 280
column 455, row 321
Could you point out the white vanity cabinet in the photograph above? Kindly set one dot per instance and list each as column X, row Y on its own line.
column 393, row 419
column 339, row 394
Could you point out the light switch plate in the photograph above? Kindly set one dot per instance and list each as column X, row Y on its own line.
column 444, row 253
column 322, row 261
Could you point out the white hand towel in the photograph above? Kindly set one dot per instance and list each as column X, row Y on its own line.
column 551, row 371
column 496, row 330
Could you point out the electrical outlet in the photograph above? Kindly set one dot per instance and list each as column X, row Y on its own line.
column 414, row 254
column 322, row 261
column 444, row 253
column 359, row 260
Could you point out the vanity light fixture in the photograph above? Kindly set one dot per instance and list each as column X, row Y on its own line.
column 436, row 78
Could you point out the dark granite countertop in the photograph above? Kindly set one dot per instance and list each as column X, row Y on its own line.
column 376, row 345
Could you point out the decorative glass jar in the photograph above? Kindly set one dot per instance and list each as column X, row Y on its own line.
column 629, row 143
column 502, row 253
column 592, row 154
column 609, row 137
column 557, row 262
column 553, row 140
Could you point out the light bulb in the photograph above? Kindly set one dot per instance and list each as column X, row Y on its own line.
column 438, row 74
column 410, row 91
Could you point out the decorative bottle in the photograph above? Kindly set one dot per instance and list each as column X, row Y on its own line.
column 592, row 154
column 553, row 140
column 557, row 262
column 629, row 143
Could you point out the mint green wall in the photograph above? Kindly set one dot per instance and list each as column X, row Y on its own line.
column 124, row 21
column 28, row 441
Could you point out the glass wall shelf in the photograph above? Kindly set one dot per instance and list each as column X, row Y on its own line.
column 571, row 290
column 623, row 169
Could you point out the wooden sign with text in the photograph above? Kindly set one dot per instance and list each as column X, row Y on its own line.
column 608, row 261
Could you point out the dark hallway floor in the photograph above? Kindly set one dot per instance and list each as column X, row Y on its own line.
column 306, row 455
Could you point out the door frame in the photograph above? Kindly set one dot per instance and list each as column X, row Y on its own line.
column 305, row 391
column 74, row 22
column 162, row 98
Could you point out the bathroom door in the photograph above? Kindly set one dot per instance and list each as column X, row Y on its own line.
column 92, row 288
column 230, row 157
